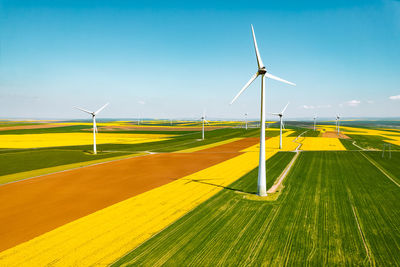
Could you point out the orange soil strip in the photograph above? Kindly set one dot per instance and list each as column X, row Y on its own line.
column 39, row 126
column 149, row 128
column 32, row 207
column 332, row 134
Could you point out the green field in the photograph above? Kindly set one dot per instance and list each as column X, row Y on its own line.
column 336, row 209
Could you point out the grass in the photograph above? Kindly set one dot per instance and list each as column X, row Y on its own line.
column 308, row 132
column 390, row 165
column 336, row 209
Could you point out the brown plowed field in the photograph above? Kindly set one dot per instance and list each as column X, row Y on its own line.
column 32, row 207
column 332, row 134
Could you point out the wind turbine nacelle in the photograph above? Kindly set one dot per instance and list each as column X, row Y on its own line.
column 262, row 71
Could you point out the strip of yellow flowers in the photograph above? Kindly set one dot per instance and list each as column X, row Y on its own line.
column 74, row 139
column 106, row 235
column 321, row 143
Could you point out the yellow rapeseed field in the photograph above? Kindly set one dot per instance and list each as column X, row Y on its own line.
column 360, row 131
column 321, row 143
column 74, row 139
column 104, row 236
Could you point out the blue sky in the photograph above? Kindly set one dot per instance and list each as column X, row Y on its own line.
column 176, row 58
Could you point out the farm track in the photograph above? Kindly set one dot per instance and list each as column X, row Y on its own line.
column 32, row 207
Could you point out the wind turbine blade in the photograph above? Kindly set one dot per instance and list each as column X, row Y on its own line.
column 283, row 125
column 100, row 109
column 268, row 75
column 284, row 108
column 259, row 61
column 84, row 110
column 245, row 87
column 276, row 114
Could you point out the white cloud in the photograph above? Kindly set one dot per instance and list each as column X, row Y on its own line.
column 353, row 103
column 394, row 97
column 370, row 101
column 141, row 102
column 324, row 106
column 307, row 107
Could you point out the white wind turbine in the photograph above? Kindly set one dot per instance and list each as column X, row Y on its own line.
column 315, row 121
column 261, row 184
column 338, row 123
column 203, row 119
column 281, row 124
column 94, row 124
column 245, row 117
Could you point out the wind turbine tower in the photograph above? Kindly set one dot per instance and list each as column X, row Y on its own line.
column 261, row 71
column 245, row 117
column 203, row 119
column 94, row 124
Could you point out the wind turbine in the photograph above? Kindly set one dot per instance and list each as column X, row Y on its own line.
column 203, row 119
column 245, row 117
column 315, row 121
column 337, row 123
column 281, row 124
column 261, row 184
column 94, row 124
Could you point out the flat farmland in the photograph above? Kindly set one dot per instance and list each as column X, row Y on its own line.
column 32, row 207
column 337, row 208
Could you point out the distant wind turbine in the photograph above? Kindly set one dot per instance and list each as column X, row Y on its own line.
column 338, row 123
column 281, row 124
column 245, row 117
column 94, row 123
column 261, row 184
column 203, row 119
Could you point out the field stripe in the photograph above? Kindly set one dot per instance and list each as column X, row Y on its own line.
column 104, row 236
column 379, row 168
column 16, row 177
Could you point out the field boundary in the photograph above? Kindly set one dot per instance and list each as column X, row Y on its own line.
column 62, row 168
column 379, row 168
